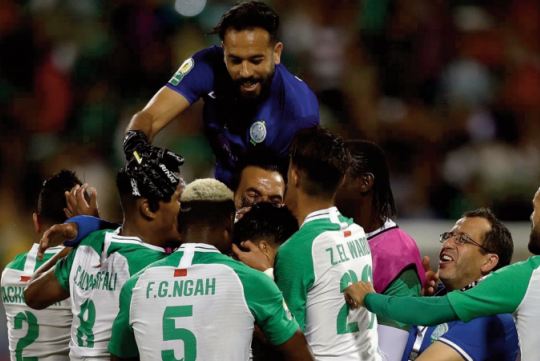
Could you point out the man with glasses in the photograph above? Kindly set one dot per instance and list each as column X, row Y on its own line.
column 477, row 245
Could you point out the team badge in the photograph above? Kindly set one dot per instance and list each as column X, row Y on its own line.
column 257, row 132
column 439, row 331
column 182, row 71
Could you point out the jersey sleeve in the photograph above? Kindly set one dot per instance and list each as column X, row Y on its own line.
column 406, row 284
column 501, row 292
column 195, row 77
column 267, row 305
column 294, row 277
column 428, row 311
column 122, row 343
column 477, row 339
column 63, row 269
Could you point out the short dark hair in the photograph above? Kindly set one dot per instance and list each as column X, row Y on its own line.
column 368, row 157
column 322, row 158
column 52, row 200
column 259, row 159
column 248, row 15
column 265, row 221
column 498, row 240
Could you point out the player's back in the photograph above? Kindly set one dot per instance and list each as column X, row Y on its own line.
column 333, row 252
column 200, row 304
column 40, row 334
column 94, row 274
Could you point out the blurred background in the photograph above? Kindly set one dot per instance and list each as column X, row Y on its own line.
column 450, row 89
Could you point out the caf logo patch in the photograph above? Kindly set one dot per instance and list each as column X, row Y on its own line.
column 257, row 132
column 182, row 71
column 439, row 331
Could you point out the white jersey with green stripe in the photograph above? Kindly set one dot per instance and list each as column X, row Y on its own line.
column 198, row 304
column 512, row 289
column 94, row 274
column 33, row 334
column 312, row 269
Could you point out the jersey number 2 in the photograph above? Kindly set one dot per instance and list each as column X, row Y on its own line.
column 342, row 324
column 31, row 335
column 170, row 332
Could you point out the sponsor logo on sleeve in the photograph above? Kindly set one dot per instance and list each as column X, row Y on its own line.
column 182, row 71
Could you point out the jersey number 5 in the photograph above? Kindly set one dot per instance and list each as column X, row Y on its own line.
column 170, row 332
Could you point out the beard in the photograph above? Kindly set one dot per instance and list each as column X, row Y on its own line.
column 534, row 240
column 254, row 98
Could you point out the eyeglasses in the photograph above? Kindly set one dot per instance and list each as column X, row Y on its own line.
column 460, row 239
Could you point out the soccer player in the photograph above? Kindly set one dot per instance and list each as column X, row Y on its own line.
column 511, row 289
column 251, row 101
column 96, row 269
column 199, row 304
column 366, row 196
column 328, row 253
column 38, row 334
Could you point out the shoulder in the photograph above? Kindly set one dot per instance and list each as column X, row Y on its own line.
column 211, row 55
column 17, row 263
column 298, row 96
column 95, row 240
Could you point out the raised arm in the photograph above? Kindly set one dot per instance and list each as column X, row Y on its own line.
column 164, row 106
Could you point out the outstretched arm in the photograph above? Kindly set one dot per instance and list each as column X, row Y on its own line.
column 44, row 291
column 164, row 106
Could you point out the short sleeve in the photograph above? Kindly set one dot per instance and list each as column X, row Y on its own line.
column 294, row 276
column 122, row 342
column 195, row 77
column 269, row 309
column 501, row 292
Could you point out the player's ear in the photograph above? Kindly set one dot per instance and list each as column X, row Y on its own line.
column 144, row 209
column 278, row 48
column 366, row 182
column 293, row 179
column 35, row 220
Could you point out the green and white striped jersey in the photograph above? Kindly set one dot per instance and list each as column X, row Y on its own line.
column 512, row 289
column 198, row 304
column 313, row 268
column 33, row 334
column 94, row 274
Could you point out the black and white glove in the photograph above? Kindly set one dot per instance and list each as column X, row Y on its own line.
column 137, row 147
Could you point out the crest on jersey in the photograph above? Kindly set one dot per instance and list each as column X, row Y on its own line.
column 182, row 71
column 439, row 331
column 257, row 132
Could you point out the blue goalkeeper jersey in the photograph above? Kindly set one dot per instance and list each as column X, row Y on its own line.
column 267, row 126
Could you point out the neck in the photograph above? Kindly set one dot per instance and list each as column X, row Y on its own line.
column 141, row 229
column 308, row 204
column 366, row 216
column 205, row 235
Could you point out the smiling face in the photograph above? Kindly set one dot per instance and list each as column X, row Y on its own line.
column 250, row 58
column 462, row 264
column 259, row 185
